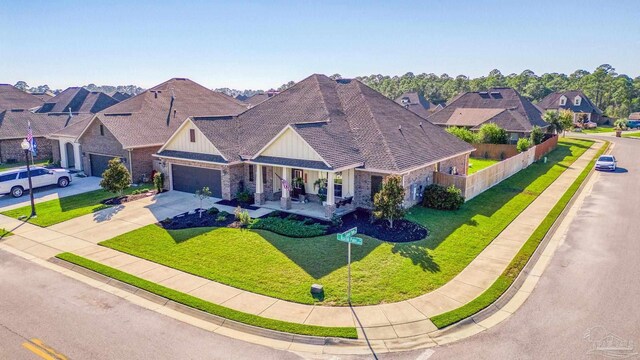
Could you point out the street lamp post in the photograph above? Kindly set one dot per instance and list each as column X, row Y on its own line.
column 26, row 146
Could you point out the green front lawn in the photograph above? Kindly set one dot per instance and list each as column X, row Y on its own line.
column 600, row 129
column 634, row 134
column 59, row 210
column 263, row 262
column 477, row 164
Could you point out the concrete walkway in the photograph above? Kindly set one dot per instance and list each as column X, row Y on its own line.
column 388, row 322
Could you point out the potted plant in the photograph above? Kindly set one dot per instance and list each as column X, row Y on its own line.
column 619, row 125
column 321, row 184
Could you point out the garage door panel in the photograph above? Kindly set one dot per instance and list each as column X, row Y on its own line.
column 99, row 163
column 191, row 178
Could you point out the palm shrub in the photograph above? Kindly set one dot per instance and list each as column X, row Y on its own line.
column 442, row 198
column 116, row 177
column 523, row 144
column 621, row 124
column 492, row 134
column 537, row 135
column 387, row 203
column 463, row 134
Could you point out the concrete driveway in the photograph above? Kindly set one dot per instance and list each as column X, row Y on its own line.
column 78, row 185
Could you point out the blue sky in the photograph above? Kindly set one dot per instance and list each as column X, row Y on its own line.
column 262, row 44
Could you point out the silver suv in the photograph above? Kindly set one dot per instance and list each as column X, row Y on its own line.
column 16, row 181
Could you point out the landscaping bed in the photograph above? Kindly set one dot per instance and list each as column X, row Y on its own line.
column 135, row 195
column 235, row 203
column 193, row 219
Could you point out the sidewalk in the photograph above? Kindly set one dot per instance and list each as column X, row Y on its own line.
column 393, row 323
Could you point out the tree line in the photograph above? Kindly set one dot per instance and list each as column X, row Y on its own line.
column 127, row 89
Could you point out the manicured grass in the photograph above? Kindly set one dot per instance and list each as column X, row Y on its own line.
column 59, row 210
column 477, row 164
column 517, row 264
column 182, row 298
column 4, row 233
column 634, row 135
column 263, row 262
column 5, row 166
column 600, row 129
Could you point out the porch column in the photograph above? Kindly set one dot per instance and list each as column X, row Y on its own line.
column 285, row 200
column 259, row 195
column 77, row 156
column 63, row 154
column 330, row 207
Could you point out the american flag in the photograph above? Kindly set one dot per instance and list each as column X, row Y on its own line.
column 30, row 134
column 285, row 184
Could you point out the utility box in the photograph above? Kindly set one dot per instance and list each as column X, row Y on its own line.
column 317, row 289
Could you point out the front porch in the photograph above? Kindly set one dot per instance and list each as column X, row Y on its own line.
column 310, row 209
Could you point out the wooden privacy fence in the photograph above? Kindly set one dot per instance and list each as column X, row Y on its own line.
column 474, row 184
column 546, row 146
column 494, row 151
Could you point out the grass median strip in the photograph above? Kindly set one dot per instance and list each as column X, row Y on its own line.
column 211, row 308
column 520, row 260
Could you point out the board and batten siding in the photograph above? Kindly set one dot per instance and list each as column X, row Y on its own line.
column 290, row 145
column 182, row 142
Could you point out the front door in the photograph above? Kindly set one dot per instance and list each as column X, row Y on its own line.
column 70, row 155
column 297, row 182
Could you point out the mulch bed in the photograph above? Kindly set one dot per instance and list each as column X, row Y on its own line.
column 193, row 219
column 127, row 198
column 236, row 203
column 403, row 230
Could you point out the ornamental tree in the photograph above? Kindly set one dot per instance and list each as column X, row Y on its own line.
column 116, row 177
column 387, row 202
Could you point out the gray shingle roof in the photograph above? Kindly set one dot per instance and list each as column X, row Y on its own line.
column 295, row 163
column 348, row 123
column 552, row 101
column 502, row 106
column 14, row 123
column 417, row 103
column 152, row 116
column 13, row 98
column 192, row 156
column 79, row 100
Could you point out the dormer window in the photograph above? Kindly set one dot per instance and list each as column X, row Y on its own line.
column 563, row 100
column 577, row 101
column 192, row 135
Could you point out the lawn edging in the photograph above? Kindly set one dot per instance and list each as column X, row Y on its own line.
column 507, row 283
column 221, row 315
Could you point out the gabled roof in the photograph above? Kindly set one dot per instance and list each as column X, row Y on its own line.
column 417, row 103
column 75, row 127
column 78, row 100
column 14, row 123
column 634, row 116
column 152, row 116
column 120, row 96
column 44, row 96
column 347, row 123
column 258, row 98
column 14, row 98
column 552, row 102
column 502, row 106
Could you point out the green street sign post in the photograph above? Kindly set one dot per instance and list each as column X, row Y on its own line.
column 348, row 237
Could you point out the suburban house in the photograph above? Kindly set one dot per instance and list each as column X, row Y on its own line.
column 77, row 100
column 257, row 98
column 576, row 101
column 12, row 98
column 504, row 107
column 634, row 116
column 327, row 143
column 418, row 104
column 120, row 96
column 43, row 95
column 136, row 128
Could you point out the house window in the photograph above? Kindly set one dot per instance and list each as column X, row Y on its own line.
column 563, row 100
column 192, row 135
column 102, row 130
column 251, row 174
column 577, row 101
column 376, row 184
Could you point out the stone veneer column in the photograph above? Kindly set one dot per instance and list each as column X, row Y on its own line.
column 259, row 195
column 285, row 200
column 330, row 206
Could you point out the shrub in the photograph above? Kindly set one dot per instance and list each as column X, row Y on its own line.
column 523, row 144
column 243, row 196
column 492, row 134
column 167, row 221
column 387, row 202
column 116, row 177
column 442, row 198
column 289, row 227
column 242, row 216
column 463, row 134
column 136, row 192
column 213, row 211
column 621, row 124
column 537, row 135
column 223, row 213
column 202, row 195
column 158, row 181
column 221, row 217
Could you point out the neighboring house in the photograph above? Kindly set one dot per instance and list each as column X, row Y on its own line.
column 418, row 104
column 504, row 107
column 120, row 96
column 340, row 131
column 134, row 129
column 258, row 98
column 575, row 100
column 13, row 130
column 634, row 116
column 44, row 96
column 12, row 98
column 78, row 100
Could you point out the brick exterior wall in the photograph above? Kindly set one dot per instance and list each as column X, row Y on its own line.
column 11, row 149
column 142, row 163
column 460, row 162
column 362, row 192
column 94, row 143
column 420, row 178
column 231, row 175
column 268, row 186
column 235, row 174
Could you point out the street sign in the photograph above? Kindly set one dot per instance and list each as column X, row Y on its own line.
column 348, row 237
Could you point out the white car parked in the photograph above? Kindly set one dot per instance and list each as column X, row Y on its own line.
column 16, row 181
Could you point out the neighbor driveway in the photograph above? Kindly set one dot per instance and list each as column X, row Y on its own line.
column 78, row 185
